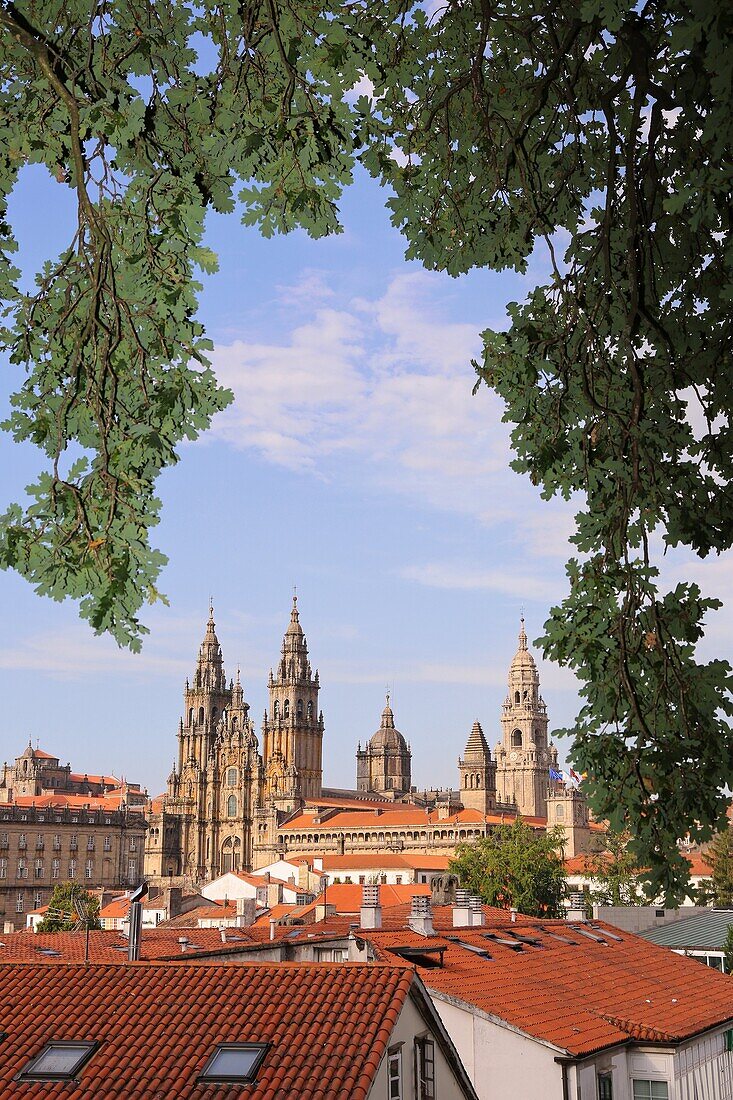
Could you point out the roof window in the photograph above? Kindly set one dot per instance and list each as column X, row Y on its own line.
column 58, row 1061
column 236, row 1062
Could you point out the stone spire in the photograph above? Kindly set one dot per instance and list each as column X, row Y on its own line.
column 477, row 773
column 209, row 675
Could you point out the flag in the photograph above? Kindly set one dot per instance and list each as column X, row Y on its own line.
column 554, row 774
column 577, row 779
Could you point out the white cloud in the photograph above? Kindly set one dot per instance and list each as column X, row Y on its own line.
column 379, row 392
column 462, row 577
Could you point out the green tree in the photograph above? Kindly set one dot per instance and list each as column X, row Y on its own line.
column 728, row 949
column 719, row 857
column 62, row 915
column 514, row 867
column 615, row 873
column 597, row 133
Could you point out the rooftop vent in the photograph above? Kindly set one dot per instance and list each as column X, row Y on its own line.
column 420, row 919
column 371, row 910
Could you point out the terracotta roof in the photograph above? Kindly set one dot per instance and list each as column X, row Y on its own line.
column 40, row 754
column 347, row 896
column 74, row 801
column 276, row 913
column 386, row 860
column 582, row 865
column 110, row 946
column 397, row 815
column 580, row 996
column 328, row 1026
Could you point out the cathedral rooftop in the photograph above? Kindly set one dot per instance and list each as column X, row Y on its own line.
column 523, row 658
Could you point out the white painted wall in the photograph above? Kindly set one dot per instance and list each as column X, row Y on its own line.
column 501, row 1061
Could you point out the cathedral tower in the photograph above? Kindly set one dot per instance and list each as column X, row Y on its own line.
column 385, row 764
column 292, row 730
column 477, row 773
column 523, row 756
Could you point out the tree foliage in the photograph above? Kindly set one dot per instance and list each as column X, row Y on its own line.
column 515, row 867
column 616, row 879
column 63, row 916
column 594, row 133
column 719, row 858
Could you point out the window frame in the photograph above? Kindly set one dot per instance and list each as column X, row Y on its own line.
column 206, row 1078
column 87, row 1047
column 649, row 1081
column 425, row 1087
column 604, row 1085
column 394, row 1057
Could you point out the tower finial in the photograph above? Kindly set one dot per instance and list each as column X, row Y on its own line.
column 522, row 632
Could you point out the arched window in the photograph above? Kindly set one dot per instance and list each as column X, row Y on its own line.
column 201, row 716
column 231, row 777
column 286, row 709
column 465, row 780
column 232, row 806
column 310, row 710
column 214, row 712
column 276, row 710
column 234, row 722
column 299, row 708
column 516, row 697
column 478, row 780
column 560, row 811
column 190, row 716
column 517, row 739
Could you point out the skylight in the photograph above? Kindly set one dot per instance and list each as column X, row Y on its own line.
column 58, row 1061
column 234, row 1062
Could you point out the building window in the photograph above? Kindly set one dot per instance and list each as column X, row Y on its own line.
column 3, row 868
column 22, row 843
column 394, row 1073
column 231, row 806
column 286, row 709
column 73, row 842
column 132, row 871
column 309, row 711
column 22, row 869
column 605, row 1086
column 651, row 1090
column 55, row 868
column 37, row 899
column 517, row 739
column 559, row 811
column 425, row 1068
column 201, row 716
column 232, row 777
column 58, row 1062
column 20, row 903
column 90, row 843
column 39, row 841
column 3, row 840
column 235, row 1063
column 72, row 868
column 108, row 844
column 89, row 869
column 57, row 842
column 299, row 708
column 38, row 868
column 276, row 710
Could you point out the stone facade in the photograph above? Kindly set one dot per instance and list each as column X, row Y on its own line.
column 224, row 798
column 523, row 756
column 477, row 773
column 44, row 845
column 384, row 766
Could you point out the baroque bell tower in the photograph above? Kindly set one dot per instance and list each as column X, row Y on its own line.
column 292, row 730
column 523, row 756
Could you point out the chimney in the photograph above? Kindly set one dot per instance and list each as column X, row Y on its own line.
column 462, row 910
column 223, row 934
column 135, row 921
column 513, row 912
column 420, row 919
column 371, row 910
column 273, row 922
column 183, row 941
column 576, row 912
column 476, row 907
column 246, row 911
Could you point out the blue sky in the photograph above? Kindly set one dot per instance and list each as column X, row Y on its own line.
column 355, row 464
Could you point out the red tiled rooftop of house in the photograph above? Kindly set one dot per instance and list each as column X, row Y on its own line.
column 346, row 897
column 581, row 996
column 112, row 801
column 398, row 815
column 109, row 946
column 386, row 860
column 327, row 1025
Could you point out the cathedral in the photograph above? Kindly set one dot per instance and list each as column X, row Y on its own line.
column 230, row 806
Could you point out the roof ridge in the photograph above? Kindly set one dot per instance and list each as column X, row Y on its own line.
column 638, row 1030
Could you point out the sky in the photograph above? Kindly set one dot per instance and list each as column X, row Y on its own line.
column 354, row 464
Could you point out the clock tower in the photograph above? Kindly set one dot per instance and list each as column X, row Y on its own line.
column 523, row 756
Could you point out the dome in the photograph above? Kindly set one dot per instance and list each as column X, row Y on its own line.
column 294, row 626
column 387, row 737
column 523, row 658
